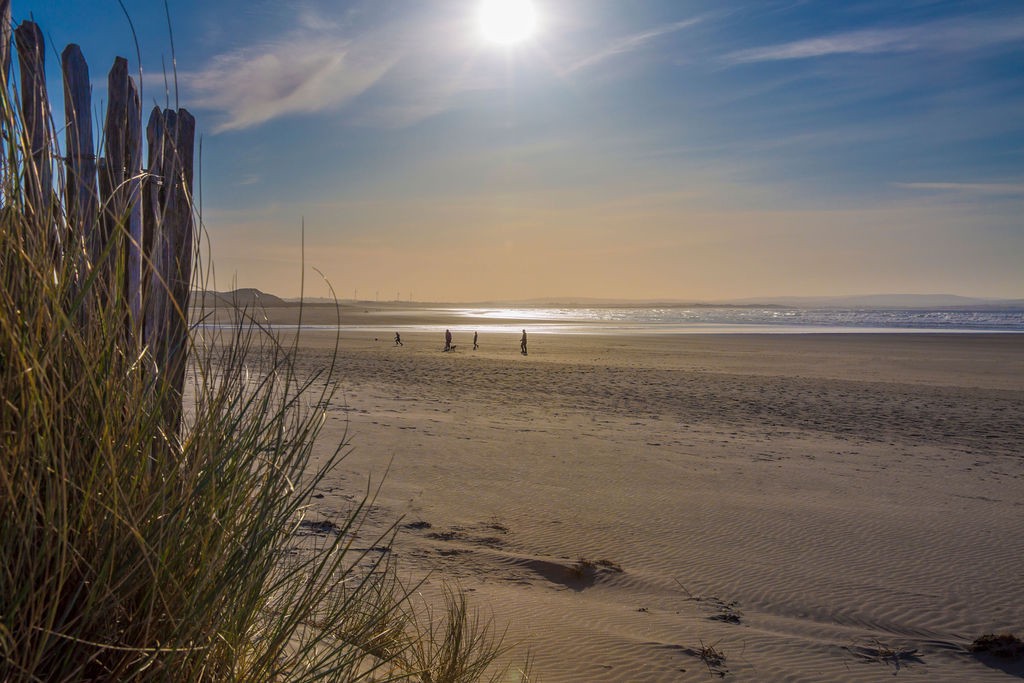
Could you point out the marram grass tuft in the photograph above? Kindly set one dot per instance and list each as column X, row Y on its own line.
column 133, row 551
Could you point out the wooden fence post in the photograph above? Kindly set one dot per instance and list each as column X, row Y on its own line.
column 5, row 74
column 119, row 182
column 5, row 41
column 145, row 221
column 137, row 247
column 80, row 183
column 35, row 117
column 168, row 215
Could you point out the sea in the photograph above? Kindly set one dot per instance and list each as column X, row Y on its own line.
column 742, row 319
column 673, row 319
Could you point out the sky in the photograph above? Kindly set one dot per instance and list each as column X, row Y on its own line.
column 695, row 150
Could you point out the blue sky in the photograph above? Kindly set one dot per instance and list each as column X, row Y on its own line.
column 669, row 149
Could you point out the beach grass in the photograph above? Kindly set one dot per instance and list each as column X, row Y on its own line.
column 136, row 549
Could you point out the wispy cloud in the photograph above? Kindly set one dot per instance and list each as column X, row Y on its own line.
column 250, row 179
column 858, row 42
column 988, row 189
column 425, row 82
column 939, row 36
column 398, row 69
column 255, row 84
column 629, row 43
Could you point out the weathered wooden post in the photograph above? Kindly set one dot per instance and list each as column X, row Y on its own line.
column 35, row 114
column 5, row 71
column 168, row 214
column 144, row 227
column 120, row 172
column 80, row 183
column 5, row 41
column 137, row 247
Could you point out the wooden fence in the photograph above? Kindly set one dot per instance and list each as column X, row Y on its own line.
column 123, row 231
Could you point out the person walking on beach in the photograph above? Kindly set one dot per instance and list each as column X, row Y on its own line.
column 447, row 340
column 522, row 343
column 398, row 340
column 475, row 345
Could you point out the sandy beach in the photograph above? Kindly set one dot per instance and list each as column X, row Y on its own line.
column 812, row 507
column 765, row 257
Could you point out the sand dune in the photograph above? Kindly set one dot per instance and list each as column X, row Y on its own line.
column 813, row 507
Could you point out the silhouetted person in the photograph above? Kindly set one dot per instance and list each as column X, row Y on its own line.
column 475, row 345
column 522, row 343
column 447, row 340
column 398, row 340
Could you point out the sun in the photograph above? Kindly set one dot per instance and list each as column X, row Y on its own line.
column 507, row 22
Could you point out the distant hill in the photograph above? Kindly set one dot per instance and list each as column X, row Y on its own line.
column 240, row 298
column 249, row 297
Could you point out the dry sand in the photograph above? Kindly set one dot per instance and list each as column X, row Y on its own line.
column 815, row 507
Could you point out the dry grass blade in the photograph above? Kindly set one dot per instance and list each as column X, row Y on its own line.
column 873, row 650
column 458, row 646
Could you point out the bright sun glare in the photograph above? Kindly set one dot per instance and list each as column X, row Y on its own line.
column 507, row 21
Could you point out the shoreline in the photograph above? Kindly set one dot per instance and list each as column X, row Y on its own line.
column 603, row 329
column 397, row 317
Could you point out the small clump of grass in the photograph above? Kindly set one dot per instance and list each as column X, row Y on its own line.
column 713, row 658
column 460, row 646
column 1003, row 645
column 581, row 568
column 710, row 654
column 584, row 567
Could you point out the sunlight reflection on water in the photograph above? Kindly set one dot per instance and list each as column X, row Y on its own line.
column 694, row 320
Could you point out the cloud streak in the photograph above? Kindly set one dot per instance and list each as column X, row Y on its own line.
column 398, row 70
column 986, row 189
column 938, row 36
column 628, row 44
column 304, row 72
